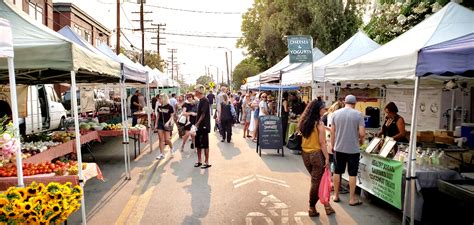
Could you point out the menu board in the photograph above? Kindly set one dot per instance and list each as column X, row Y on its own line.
column 270, row 134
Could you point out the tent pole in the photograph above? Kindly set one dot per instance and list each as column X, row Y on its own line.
column 148, row 103
column 78, row 143
column 410, row 172
column 127, row 138
column 451, row 118
column 16, row 124
column 313, row 81
column 124, row 140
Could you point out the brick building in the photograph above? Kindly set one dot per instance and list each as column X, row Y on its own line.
column 83, row 24
column 39, row 10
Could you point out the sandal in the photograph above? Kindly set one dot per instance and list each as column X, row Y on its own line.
column 205, row 166
column 336, row 199
column 356, row 204
column 312, row 212
column 329, row 209
column 197, row 164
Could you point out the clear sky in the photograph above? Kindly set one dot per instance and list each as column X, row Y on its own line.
column 195, row 52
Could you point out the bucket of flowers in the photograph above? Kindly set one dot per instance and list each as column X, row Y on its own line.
column 39, row 204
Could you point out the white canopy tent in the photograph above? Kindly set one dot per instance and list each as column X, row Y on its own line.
column 396, row 60
column 283, row 66
column 6, row 51
column 43, row 56
column 357, row 45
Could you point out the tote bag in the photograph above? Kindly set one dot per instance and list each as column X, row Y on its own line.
column 324, row 192
column 252, row 123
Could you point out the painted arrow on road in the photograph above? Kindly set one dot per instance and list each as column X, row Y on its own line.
column 252, row 178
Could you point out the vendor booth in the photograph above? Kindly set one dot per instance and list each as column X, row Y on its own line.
column 395, row 63
column 43, row 56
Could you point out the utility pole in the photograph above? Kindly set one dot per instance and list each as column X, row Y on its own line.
column 160, row 27
column 227, row 65
column 117, row 46
column 142, row 29
column 172, row 51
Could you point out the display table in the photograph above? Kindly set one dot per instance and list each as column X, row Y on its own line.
column 138, row 136
column 92, row 170
column 62, row 149
column 52, row 153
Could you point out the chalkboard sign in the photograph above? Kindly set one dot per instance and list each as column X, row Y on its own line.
column 270, row 134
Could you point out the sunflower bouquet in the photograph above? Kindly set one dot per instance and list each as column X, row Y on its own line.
column 39, row 204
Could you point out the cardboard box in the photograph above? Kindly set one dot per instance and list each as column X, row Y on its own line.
column 444, row 139
column 425, row 136
column 443, row 133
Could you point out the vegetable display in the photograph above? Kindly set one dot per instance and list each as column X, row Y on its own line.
column 59, row 168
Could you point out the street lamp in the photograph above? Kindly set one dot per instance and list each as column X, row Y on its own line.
column 228, row 79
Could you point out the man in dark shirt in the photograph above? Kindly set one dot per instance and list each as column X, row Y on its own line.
column 203, row 126
column 210, row 98
column 134, row 106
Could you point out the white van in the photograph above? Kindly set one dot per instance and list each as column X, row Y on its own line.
column 39, row 107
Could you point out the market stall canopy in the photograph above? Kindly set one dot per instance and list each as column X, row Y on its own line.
column 6, row 42
column 273, row 74
column 272, row 87
column 397, row 60
column 153, row 77
column 358, row 45
column 44, row 56
column 131, row 72
column 451, row 57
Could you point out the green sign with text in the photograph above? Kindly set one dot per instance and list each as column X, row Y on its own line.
column 300, row 48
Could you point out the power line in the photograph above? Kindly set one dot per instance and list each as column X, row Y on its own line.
column 182, row 10
column 196, row 11
column 204, row 35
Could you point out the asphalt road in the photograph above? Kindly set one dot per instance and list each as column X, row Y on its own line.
column 239, row 188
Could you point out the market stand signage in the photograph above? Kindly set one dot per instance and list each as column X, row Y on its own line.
column 270, row 134
column 300, row 48
column 381, row 177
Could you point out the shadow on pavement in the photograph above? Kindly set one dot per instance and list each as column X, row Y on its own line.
column 200, row 191
column 228, row 150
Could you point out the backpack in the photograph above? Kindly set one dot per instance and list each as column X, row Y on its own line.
column 226, row 112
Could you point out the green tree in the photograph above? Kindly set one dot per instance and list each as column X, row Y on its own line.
column 392, row 18
column 246, row 68
column 204, row 80
column 265, row 25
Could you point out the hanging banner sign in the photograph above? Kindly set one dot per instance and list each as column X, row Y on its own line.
column 300, row 48
column 381, row 177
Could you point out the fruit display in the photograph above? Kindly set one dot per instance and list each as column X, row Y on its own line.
column 60, row 168
column 63, row 136
column 138, row 127
column 37, row 137
column 33, row 148
column 117, row 126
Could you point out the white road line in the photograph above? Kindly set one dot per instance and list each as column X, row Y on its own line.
column 245, row 182
column 272, row 179
column 273, row 182
column 242, row 179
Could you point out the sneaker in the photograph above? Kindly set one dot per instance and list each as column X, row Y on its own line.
column 160, row 156
column 222, row 140
column 172, row 151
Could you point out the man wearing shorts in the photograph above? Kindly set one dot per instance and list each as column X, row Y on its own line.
column 203, row 126
column 347, row 134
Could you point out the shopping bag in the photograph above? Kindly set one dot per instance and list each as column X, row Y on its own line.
column 325, row 187
column 294, row 142
column 252, row 124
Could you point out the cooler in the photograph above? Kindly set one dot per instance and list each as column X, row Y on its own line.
column 467, row 131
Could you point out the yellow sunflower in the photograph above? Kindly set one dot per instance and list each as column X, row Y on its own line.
column 28, row 206
column 33, row 219
column 53, row 188
column 13, row 194
column 3, row 202
column 23, row 192
column 40, row 187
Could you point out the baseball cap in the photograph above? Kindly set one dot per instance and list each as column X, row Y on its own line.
column 350, row 99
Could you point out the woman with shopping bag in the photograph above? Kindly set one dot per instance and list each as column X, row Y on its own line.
column 315, row 155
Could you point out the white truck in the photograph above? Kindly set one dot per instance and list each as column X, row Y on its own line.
column 39, row 107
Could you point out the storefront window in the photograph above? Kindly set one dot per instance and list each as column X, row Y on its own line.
column 36, row 12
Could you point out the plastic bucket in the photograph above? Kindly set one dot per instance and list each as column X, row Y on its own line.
column 367, row 121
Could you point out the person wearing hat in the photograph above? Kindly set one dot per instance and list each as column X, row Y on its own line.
column 347, row 134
